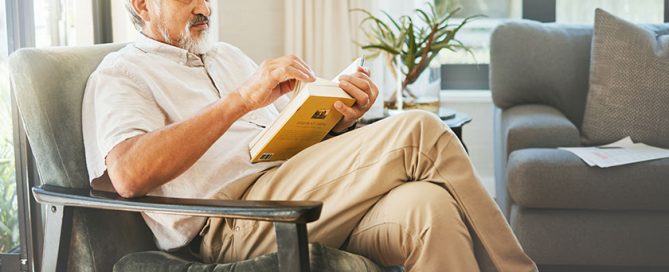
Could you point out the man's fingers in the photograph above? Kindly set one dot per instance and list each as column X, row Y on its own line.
column 361, row 97
column 303, row 64
column 304, row 70
column 294, row 61
column 373, row 89
column 362, row 84
column 365, row 71
column 286, row 73
column 287, row 86
column 348, row 112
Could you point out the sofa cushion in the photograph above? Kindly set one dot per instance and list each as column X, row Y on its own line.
column 322, row 258
column 629, row 86
column 553, row 178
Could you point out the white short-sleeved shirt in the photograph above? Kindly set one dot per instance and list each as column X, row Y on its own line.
column 148, row 85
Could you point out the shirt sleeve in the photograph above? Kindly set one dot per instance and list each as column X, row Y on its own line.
column 123, row 109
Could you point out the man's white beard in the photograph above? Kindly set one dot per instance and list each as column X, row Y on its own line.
column 198, row 46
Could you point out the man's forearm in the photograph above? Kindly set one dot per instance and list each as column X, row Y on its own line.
column 140, row 164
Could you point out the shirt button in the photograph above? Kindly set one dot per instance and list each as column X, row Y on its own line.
column 237, row 228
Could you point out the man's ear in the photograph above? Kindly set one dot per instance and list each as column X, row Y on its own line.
column 142, row 9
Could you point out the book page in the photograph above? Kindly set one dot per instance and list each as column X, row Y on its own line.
column 351, row 69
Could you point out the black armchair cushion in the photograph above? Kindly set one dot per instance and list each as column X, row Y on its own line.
column 322, row 259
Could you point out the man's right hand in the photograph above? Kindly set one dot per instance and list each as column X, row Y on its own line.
column 273, row 79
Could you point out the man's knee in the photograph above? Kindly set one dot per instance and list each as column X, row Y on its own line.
column 418, row 120
column 423, row 203
column 407, row 221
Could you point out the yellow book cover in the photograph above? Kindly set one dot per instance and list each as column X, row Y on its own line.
column 305, row 121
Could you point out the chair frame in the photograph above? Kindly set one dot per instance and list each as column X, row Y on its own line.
column 289, row 218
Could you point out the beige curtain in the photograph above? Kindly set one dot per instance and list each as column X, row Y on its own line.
column 322, row 32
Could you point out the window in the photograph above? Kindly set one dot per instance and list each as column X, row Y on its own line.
column 476, row 34
column 462, row 70
column 123, row 29
column 583, row 12
column 63, row 22
column 9, row 223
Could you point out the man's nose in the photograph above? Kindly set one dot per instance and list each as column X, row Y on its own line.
column 202, row 7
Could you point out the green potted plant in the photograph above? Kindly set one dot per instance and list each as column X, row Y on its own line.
column 410, row 48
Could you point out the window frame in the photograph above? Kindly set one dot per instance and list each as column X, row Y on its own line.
column 102, row 22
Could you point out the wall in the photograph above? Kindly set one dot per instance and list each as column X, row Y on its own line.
column 255, row 26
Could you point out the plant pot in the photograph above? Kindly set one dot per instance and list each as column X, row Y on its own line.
column 422, row 94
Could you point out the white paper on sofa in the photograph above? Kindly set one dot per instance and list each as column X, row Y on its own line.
column 621, row 152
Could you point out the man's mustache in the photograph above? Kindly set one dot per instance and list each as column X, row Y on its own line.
column 198, row 19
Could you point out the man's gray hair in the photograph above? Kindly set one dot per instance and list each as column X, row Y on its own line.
column 136, row 19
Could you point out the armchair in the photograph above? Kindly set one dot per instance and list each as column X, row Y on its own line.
column 565, row 214
column 88, row 230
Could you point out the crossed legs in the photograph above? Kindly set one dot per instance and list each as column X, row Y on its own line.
column 385, row 194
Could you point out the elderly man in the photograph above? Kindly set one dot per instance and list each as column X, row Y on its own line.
column 172, row 114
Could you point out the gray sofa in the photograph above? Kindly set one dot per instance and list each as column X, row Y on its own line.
column 567, row 215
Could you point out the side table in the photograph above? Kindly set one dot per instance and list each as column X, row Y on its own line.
column 456, row 122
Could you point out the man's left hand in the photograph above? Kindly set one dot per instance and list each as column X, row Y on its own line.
column 363, row 90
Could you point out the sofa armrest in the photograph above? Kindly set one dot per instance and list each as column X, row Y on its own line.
column 527, row 126
column 534, row 126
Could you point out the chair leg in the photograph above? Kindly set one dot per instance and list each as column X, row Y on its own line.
column 56, row 238
column 293, row 246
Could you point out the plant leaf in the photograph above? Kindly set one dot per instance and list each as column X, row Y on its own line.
column 381, row 47
column 424, row 16
column 390, row 18
column 409, row 59
column 448, row 16
column 433, row 9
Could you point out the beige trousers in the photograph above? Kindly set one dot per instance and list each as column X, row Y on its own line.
column 399, row 191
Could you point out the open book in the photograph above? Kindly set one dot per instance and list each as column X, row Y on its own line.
column 305, row 121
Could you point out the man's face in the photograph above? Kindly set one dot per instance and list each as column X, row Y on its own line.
column 182, row 23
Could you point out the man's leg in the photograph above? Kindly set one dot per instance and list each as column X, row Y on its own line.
column 350, row 173
column 419, row 225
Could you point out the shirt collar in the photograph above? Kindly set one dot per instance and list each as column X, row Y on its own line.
column 176, row 54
